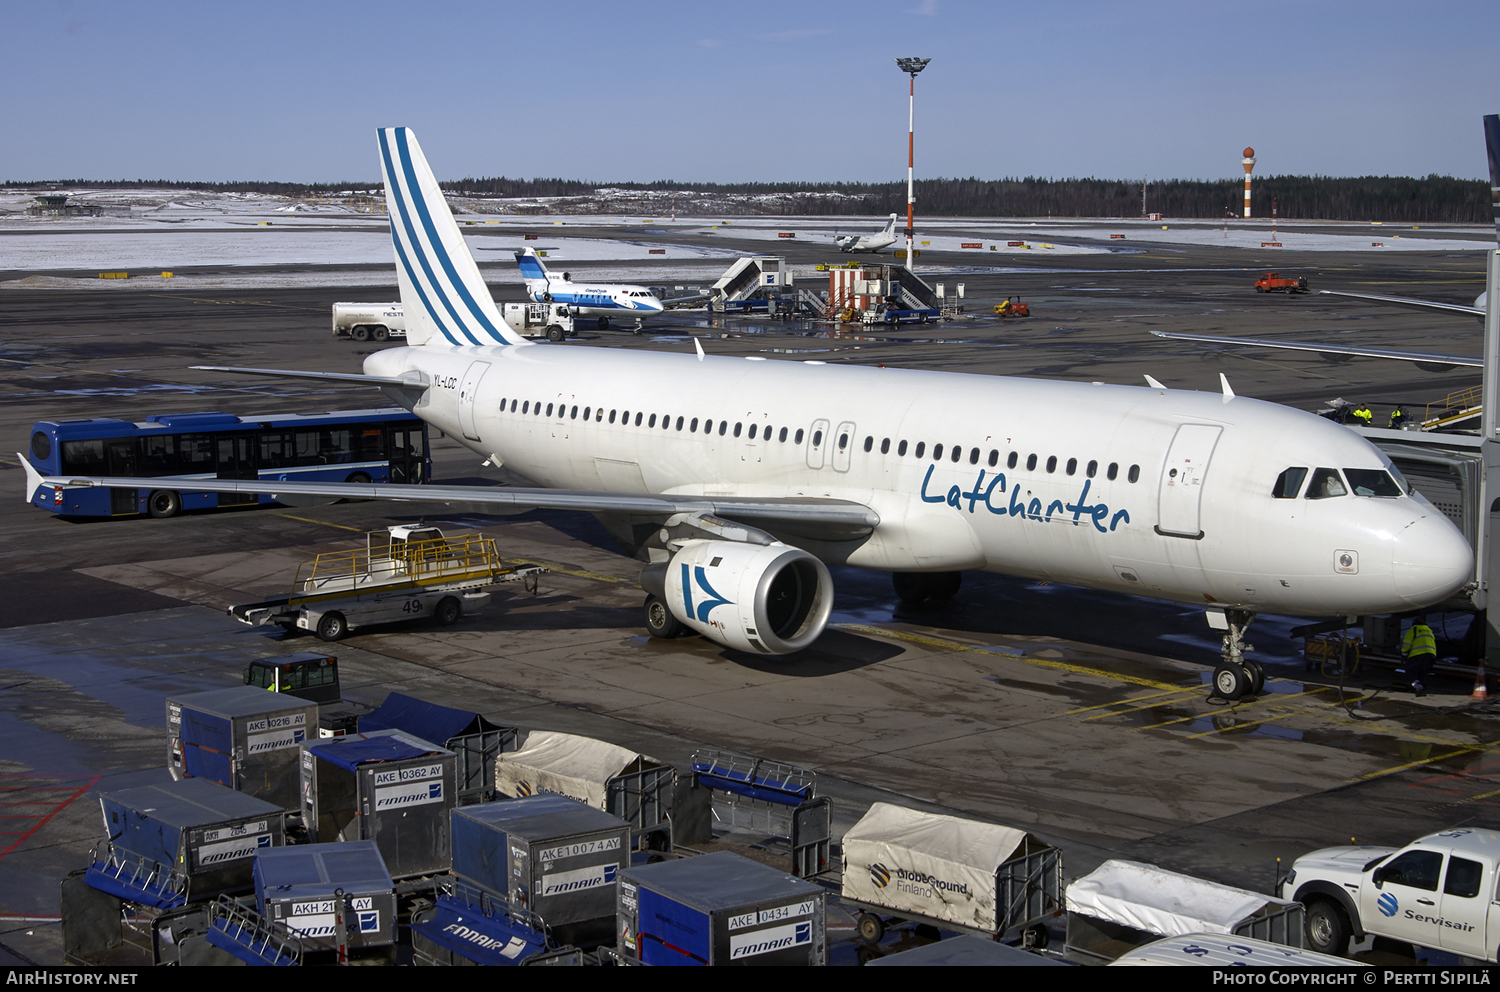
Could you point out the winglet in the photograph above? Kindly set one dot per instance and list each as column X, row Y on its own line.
column 33, row 478
column 698, row 345
column 1228, row 393
column 1153, row 383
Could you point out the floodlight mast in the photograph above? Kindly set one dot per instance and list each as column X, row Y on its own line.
column 911, row 67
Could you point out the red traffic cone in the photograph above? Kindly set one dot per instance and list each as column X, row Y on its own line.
column 1481, row 690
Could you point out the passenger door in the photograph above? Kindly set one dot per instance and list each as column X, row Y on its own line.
column 407, row 456
column 1181, row 489
column 467, row 393
column 1400, row 898
column 1464, row 906
column 236, row 460
column 817, row 443
column 843, row 446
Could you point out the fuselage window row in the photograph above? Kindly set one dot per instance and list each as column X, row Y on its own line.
column 955, row 452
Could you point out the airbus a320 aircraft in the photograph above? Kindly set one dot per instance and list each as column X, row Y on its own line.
column 601, row 300
column 869, row 242
column 738, row 480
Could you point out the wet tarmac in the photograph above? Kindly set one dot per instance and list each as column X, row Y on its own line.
column 1080, row 715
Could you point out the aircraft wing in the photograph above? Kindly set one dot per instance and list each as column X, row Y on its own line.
column 1429, row 360
column 1402, row 301
column 828, row 519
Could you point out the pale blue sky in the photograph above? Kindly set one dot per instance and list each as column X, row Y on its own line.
column 766, row 91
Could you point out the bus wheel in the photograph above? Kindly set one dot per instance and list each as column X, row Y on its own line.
column 448, row 611
column 332, row 626
column 360, row 333
column 359, row 477
column 163, row 503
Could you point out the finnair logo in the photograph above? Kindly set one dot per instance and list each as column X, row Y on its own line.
column 705, row 606
column 773, row 939
column 1388, row 904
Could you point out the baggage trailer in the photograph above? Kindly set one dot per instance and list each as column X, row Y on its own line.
column 387, row 786
column 635, row 787
column 307, row 888
column 242, row 738
column 720, row 909
column 554, row 856
column 976, row 878
column 403, row 572
column 467, row 927
column 475, row 741
column 1124, row 905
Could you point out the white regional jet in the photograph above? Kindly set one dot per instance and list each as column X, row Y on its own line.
column 600, row 300
column 869, row 242
column 737, row 479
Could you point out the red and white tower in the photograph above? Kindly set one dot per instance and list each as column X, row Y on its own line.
column 1249, row 163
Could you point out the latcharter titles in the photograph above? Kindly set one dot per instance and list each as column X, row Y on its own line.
column 984, row 494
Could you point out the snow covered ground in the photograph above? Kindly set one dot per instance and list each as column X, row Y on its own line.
column 344, row 239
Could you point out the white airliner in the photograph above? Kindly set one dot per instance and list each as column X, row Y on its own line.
column 869, row 242
column 602, row 300
column 738, row 479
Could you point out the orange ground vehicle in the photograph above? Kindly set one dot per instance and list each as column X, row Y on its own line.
column 1272, row 282
column 1013, row 307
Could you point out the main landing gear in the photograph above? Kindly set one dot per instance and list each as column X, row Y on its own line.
column 1236, row 675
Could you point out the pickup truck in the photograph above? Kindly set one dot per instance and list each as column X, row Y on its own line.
column 1437, row 892
column 1272, row 282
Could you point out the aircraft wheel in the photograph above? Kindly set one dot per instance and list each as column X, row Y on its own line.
column 603, row 323
column 332, row 626
column 360, row 333
column 554, row 333
column 1257, row 677
column 871, row 928
column 163, row 503
column 448, row 611
column 1327, row 930
column 660, row 622
column 1230, row 682
column 912, row 588
column 945, row 585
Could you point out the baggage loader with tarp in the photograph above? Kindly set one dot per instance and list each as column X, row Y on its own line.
column 949, row 872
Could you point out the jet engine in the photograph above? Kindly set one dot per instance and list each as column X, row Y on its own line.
column 765, row 598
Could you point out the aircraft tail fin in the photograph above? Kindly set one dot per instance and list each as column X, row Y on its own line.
column 1492, row 145
column 890, row 226
column 443, row 295
column 533, row 272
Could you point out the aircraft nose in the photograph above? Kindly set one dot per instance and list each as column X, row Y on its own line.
column 1430, row 561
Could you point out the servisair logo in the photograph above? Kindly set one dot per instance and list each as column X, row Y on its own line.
column 1387, row 904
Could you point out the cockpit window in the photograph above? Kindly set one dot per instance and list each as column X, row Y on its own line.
column 1371, row 482
column 1395, row 473
column 1326, row 483
column 1289, row 483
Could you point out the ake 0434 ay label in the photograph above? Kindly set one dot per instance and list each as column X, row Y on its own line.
column 764, row 916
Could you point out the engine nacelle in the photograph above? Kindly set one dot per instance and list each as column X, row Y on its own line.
column 765, row 598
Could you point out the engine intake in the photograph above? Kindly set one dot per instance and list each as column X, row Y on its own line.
column 765, row 598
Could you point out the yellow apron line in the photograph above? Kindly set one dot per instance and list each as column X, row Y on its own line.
column 1473, row 799
column 1124, row 701
column 7, row 461
column 902, row 635
column 1197, row 716
column 310, row 520
column 578, row 573
column 1424, row 761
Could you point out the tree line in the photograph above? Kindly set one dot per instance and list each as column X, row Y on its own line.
column 1431, row 199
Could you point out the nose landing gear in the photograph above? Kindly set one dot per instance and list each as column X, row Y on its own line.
column 1236, row 675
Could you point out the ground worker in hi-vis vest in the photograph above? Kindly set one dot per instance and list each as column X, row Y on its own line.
column 1419, row 648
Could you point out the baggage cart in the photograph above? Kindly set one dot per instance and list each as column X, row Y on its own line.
column 388, row 787
column 949, row 872
column 1122, row 905
column 720, row 909
column 467, row 927
column 474, row 740
column 635, row 787
column 242, row 738
column 307, row 889
column 204, row 832
column 555, row 856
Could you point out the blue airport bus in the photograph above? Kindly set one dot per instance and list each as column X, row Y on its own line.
column 388, row 445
